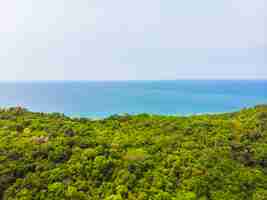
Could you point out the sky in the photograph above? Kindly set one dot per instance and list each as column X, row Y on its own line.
column 133, row 40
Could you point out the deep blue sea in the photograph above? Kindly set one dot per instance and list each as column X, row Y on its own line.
column 102, row 99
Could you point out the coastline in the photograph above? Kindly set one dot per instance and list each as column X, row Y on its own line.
column 10, row 108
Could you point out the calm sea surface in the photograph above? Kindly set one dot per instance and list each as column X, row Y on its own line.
column 101, row 99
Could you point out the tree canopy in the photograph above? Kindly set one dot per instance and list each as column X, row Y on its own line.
column 136, row 157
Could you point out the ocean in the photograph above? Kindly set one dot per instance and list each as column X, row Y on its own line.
column 97, row 99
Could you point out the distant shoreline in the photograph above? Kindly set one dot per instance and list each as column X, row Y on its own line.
column 9, row 108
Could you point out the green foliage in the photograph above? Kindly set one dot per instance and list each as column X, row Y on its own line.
column 141, row 157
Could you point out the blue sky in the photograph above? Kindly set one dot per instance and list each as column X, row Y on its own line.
column 137, row 40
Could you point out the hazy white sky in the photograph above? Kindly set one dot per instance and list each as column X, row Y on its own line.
column 140, row 39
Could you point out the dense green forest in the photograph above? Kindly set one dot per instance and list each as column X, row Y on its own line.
column 142, row 157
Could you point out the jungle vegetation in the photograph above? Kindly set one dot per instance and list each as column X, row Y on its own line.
column 137, row 157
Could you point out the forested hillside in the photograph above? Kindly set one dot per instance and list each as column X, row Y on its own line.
column 141, row 157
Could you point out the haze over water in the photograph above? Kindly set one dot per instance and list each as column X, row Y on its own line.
column 102, row 99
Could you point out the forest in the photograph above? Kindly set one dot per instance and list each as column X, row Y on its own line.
column 50, row 156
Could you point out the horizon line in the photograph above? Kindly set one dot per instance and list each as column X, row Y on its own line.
column 139, row 80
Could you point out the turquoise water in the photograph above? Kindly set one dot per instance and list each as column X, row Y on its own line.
column 101, row 99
